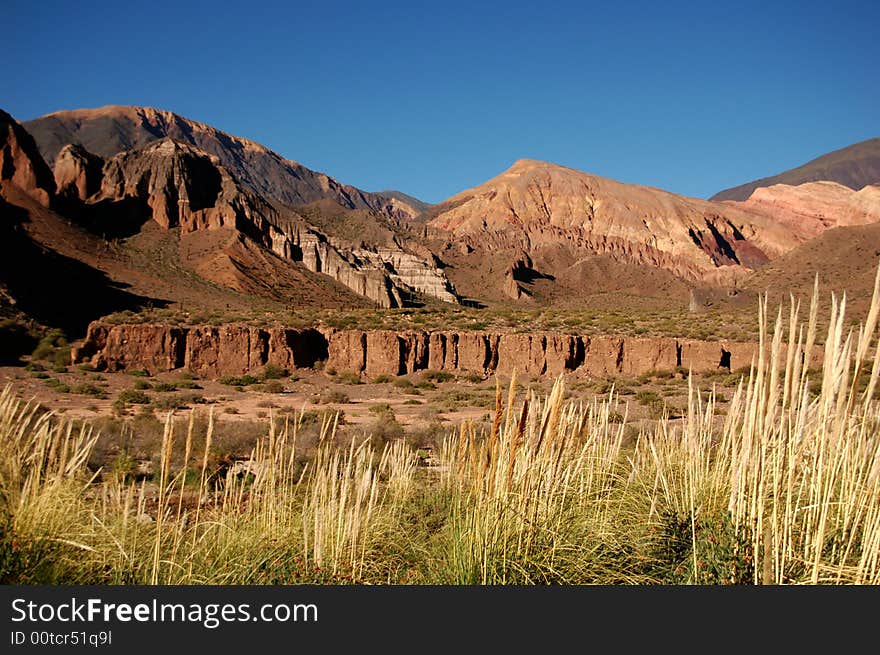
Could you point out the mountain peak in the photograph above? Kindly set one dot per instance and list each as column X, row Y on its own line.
column 525, row 164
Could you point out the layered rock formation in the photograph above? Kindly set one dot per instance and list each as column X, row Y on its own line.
column 237, row 349
column 535, row 205
column 108, row 131
column 811, row 208
column 178, row 185
column 21, row 164
column 385, row 275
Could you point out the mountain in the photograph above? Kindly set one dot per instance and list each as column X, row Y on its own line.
column 107, row 131
column 405, row 203
column 854, row 166
column 549, row 220
column 844, row 258
column 179, row 186
column 167, row 225
column 813, row 207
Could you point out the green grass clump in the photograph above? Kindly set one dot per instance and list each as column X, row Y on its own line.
column 238, row 381
column 333, row 396
column 89, row 389
column 437, row 376
column 133, row 396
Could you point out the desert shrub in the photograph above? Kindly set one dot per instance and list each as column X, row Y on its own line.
column 438, row 376
column 138, row 373
column 403, row 383
column 164, row 387
column 53, row 347
column 58, row 386
column 333, row 396
column 273, row 386
column 274, row 372
column 724, row 554
column 382, row 379
column 382, row 409
column 238, row 381
column 134, row 396
column 89, row 389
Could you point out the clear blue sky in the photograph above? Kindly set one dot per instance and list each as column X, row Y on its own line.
column 691, row 97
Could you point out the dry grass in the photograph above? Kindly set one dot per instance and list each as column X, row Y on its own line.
column 784, row 488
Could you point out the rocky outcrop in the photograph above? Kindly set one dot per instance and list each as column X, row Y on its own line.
column 185, row 187
column 208, row 351
column 179, row 186
column 213, row 351
column 78, row 173
column 386, row 276
column 109, row 131
column 21, row 163
column 536, row 205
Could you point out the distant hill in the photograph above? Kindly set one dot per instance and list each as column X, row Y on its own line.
column 844, row 258
column 854, row 166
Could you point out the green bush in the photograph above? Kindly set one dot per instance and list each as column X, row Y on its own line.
column 333, row 396
column 88, row 389
column 242, row 381
column 273, row 386
column 133, row 396
column 438, row 376
column 54, row 348
column 274, row 372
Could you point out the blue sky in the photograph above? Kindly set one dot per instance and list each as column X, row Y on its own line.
column 690, row 97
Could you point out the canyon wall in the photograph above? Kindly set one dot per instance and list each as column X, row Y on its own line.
column 214, row 351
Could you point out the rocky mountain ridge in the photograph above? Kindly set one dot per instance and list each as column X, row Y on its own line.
column 178, row 185
column 107, row 131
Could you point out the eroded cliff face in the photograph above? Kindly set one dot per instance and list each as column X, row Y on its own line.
column 179, row 186
column 21, row 163
column 385, row 275
column 211, row 351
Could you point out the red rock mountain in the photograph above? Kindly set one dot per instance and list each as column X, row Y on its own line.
column 178, row 185
column 535, row 206
column 811, row 208
column 20, row 161
column 107, row 131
